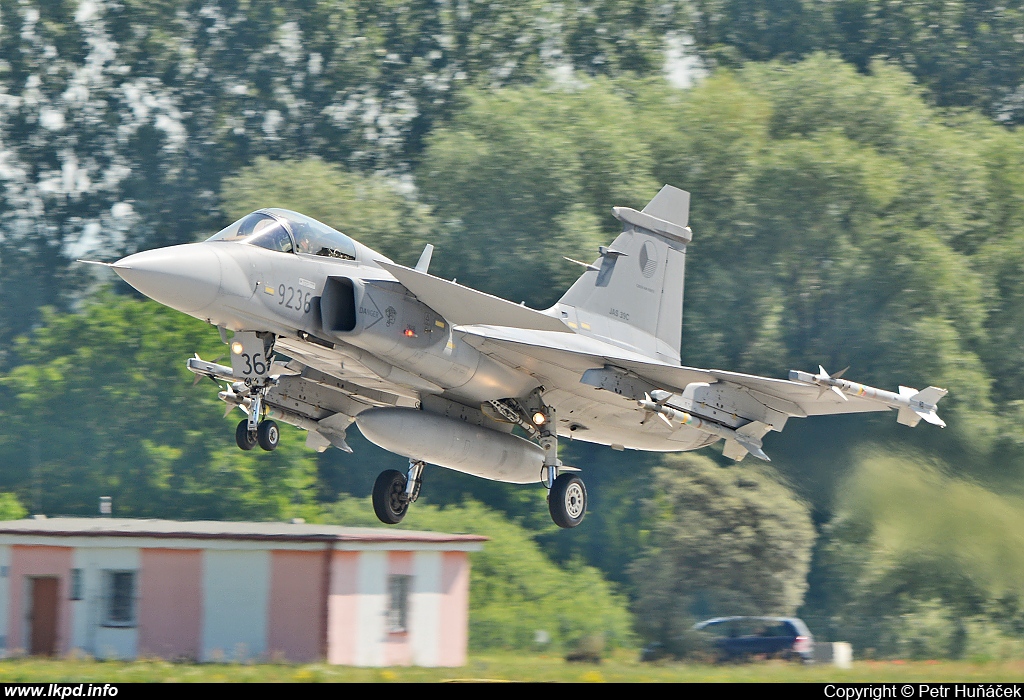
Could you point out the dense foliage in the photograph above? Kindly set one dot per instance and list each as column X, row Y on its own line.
column 723, row 540
column 102, row 405
column 967, row 53
column 918, row 564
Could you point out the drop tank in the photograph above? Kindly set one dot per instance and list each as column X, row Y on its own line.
column 454, row 444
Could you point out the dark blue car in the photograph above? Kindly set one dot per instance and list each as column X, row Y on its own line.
column 737, row 638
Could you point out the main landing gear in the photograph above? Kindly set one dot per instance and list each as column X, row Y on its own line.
column 394, row 492
column 567, row 496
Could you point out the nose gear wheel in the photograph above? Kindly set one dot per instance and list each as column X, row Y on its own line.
column 244, row 438
column 268, row 435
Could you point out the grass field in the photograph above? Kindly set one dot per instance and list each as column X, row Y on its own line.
column 507, row 667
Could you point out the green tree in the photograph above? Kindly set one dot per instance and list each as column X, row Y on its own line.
column 525, row 176
column 723, row 542
column 918, row 563
column 102, row 405
column 11, row 508
column 836, row 223
column 967, row 53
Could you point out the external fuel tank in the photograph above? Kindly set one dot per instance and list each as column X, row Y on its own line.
column 454, row 444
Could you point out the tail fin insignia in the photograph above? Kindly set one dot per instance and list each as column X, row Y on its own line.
column 638, row 301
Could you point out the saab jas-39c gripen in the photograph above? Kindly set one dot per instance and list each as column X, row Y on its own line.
column 327, row 332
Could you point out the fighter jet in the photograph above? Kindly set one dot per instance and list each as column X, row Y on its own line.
column 325, row 332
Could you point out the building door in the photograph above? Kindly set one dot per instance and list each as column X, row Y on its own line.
column 43, row 617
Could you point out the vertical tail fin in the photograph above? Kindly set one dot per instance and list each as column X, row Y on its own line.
column 633, row 294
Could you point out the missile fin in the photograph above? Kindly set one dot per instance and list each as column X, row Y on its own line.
column 647, row 412
column 907, row 416
column 754, row 448
column 734, row 450
column 754, row 430
column 738, row 449
column 661, row 396
column 931, row 395
column 316, row 441
column 841, row 394
column 932, row 417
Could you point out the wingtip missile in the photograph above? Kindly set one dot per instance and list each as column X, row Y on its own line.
column 912, row 405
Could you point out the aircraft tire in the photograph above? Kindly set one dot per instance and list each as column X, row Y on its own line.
column 268, row 435
column 567, row 500
column 243, row 438
column 389, row 497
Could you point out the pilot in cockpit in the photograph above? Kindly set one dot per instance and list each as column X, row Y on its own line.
column 303, row 244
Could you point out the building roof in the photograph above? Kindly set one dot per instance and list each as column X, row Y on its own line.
column 223, row 530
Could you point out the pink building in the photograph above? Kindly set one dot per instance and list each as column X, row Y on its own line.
column 218, row 591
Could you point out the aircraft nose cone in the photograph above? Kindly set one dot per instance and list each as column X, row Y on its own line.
column 184, row 277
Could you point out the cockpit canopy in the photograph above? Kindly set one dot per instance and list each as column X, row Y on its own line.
column 288, row 232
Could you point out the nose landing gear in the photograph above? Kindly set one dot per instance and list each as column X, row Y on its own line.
column 268, row 435
column 251, row 359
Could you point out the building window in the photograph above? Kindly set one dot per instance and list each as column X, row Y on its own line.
column 398, row 602
column 76, row 584
column 120, row 599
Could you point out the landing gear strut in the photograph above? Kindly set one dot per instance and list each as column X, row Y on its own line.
column 255, row 430
column 394, row 492
column 251, row 359
column 567, row 496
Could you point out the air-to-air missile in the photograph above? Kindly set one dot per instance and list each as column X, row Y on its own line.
column 913, row 405
column 738, row 441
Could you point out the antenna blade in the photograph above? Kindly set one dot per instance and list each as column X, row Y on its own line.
column 424, row 262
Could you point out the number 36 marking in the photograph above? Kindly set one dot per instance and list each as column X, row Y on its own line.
column 253, row 363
